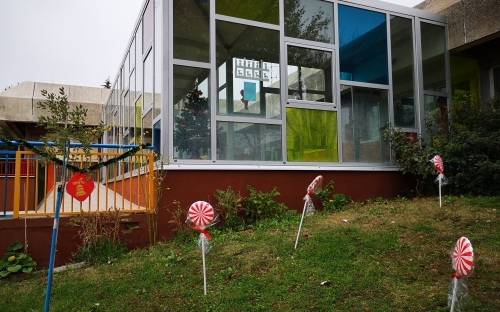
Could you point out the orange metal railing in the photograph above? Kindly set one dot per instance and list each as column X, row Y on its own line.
column 126, row 185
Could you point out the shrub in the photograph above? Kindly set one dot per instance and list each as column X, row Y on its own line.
column 229, row 207
column 332, row 202
column 99, row 233
column 260, row 206
column 15, row 261
column 471, row 149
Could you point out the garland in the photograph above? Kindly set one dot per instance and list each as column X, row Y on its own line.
column 58, row 161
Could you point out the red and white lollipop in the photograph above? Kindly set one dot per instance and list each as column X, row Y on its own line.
column 201, row 214
column 315, row 185
column 463, row 257
column 438, row 164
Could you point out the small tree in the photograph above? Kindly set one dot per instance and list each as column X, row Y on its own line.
column 66, row 125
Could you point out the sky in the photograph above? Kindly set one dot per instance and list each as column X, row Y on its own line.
column 73, row 42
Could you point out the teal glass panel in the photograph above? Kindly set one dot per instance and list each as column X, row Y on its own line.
column 311, row 135
column 265, row 11
column 309, row 20
column 364, row 113
column 433, row 44
column 403, row 81
column 248, row 141
column 363, row 45
column 191, row 113
column 192, row 30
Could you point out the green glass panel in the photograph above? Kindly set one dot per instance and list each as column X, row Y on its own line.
column 311, row 135
column 266, row 11
column 464, row 76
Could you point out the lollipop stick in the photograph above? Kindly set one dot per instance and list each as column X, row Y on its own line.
column 204, row 269
column 454, row 296
column 440, row 190
column 302, row 219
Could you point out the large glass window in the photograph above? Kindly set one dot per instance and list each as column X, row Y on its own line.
column 363, row 45
column 402, row 72
column 433, row 56
column 191, row 30
column 364, row 113
column 148, row 79
column 191, row 113
column 309, row 20
column 311, row 135
column 147, row 26
column 266, row 11
column 309, row 74
column 158, row 56
column 496, row 80
column 248, row 71
column 246, row 141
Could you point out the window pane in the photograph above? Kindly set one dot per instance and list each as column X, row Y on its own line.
column 248, row 71
column 309, row 20
column 147, row 135
column 246, row 141
column 363, row 45
column 496, row 80
column 436, row 116
column 138, row 45
column 433, row 57
column 157, row 53
column 191, row 30
column 402, row 72
column 126, row 103
column 132, row 55
column 148, row 79
column 147, row 26
column 464, row 76
column 311, row 135
column 157, row 137
column 309, row 74
column 364, row 113
column 191, row 113
column 265, row 11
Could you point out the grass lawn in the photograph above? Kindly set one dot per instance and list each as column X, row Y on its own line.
column 376, row 256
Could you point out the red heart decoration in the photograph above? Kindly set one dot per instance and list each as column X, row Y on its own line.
column 80, row 186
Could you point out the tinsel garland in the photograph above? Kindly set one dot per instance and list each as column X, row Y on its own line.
column 58, row 161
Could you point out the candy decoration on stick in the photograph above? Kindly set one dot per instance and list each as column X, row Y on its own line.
column 462, row 261
column 314, row 187
column 441, row 180
column 200, row 216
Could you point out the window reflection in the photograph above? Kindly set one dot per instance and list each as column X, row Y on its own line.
column 265, row 11
column 433, row 57
column 309, row 74
column 191, row 113
column 248, row 71
column 148, row 79
column 246, row 141
column 402, row 72
column 309, row 20
column 364, row 113
column 311, row 135
column 191, row 30
column 363, row 45
column 158, row 57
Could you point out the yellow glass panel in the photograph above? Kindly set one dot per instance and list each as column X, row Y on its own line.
column 311, row 135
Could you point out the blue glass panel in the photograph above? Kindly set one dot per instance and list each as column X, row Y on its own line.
column 363, row 45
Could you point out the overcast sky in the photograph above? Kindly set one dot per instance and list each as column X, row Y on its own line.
column 74, row 42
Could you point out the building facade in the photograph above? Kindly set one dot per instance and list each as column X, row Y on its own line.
column 274, row 92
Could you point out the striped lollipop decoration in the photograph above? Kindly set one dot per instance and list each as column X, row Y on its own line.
column 438, row 164
column 315, row 185
column 201, row 214
column 463, row 257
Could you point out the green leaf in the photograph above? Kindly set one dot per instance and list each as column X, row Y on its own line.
column 14, row 268
column 14, row 246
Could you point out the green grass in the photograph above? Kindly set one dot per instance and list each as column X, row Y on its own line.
column 388, row 256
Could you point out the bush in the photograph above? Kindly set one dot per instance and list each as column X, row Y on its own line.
column 15, row 261
column 471, row 149
column 332, row 203
column 229, row 207
column 260, row 206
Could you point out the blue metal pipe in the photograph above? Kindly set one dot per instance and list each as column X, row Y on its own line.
column 96, row 145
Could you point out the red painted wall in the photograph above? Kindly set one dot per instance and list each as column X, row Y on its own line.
column 189, row 186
